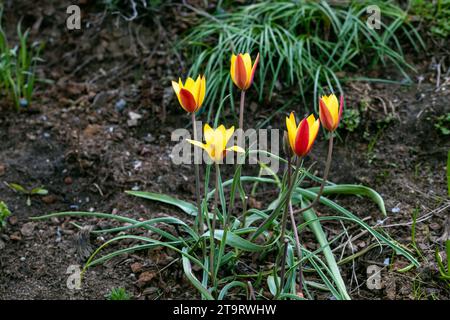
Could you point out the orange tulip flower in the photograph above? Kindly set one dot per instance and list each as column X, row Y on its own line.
column 330, row 111
column 302, row 137
column 242, row 71
column 191, row 94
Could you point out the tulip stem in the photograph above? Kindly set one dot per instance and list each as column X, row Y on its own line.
column 285, row 213
column 325, row 176
column 241, row 110
column 197, row 180
column 213, row 227
column 298, row 247
column 283, row 265
column 286, row 198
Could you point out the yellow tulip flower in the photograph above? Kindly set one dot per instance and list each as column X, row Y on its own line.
column 242, row 71
column 191, row 94
column 302, row 137
column 330, row 111
column 216, row 142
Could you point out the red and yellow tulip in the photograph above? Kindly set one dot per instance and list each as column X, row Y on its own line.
column 302, row 137
column 242, row 71
column 191, row 94
column 330, row 111
column 216, row 142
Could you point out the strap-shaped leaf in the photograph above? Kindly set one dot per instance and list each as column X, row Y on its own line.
column 187, row 207
column 354, row 189
column 333, row 205
column 235, row 241
column 191, row 277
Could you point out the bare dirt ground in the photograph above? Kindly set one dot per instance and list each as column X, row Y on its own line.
column 78, row 142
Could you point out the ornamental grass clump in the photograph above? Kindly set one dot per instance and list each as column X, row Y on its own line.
column 225, row 238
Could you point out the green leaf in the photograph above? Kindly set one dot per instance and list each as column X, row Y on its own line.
column 187, row 207
column 316, row 228
column 354, row 190
column 448, row 173
column 17, row 187
column 331, row 204
column 272, row 285
column 109, row 216
column 229, row 286
column 197, row 284
column 235, row 241
column 39, row 191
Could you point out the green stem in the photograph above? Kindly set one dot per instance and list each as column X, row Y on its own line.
column 283, row 198
column 213, row 227
column 241, row 110
column 197, row 180
column 325, row 177
column 285, row 213
column 283, row 265
column 298, row 248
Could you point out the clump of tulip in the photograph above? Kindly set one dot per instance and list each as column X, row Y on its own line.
column 300, row 138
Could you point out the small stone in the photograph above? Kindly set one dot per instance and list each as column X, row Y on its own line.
column 49, row 199
column 15, row 236
column 149, row 138
column 13, row 220
column 145, row 278
column 136, row 267
column 27, row 229
column 145, row 151
column 23, row 103
column 134, row 117
column 2, row 245
column 120, row 105
column 68, row 180
column 91, row 130
column 22, row 259
column 435, row 226
column 100, row 100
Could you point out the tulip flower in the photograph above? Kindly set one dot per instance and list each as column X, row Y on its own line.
column 242, row 71
column 302, row 137
column 330, row 111
column 191, row 94
column 216, row 142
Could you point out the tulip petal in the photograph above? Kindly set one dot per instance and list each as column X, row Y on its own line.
column 292, row 130
column 252, row 74
column 176, row 88
column 236, row 149
column 197, row 143
column 302, row 139
column 333, row 107
column 187, row 100
column 325, row 116
column 220, row 137
column 314, row 130
column 233, row 68
column 248, row 67
column 341, row 108
column 208, row 133
column 190, row 85
column 240, row 72
column 202, row 91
